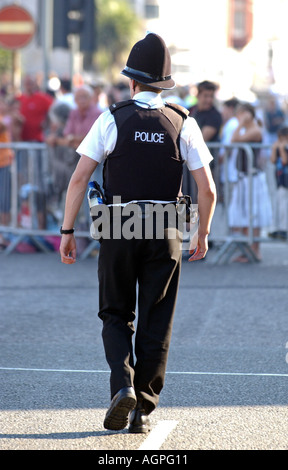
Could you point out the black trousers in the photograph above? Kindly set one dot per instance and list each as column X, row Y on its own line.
column 154, row 267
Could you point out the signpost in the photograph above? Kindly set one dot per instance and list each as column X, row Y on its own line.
column 17, row 29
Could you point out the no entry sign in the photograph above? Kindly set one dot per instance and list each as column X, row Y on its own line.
column 17, row 27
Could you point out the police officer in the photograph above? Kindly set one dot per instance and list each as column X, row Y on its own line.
column 144, row 144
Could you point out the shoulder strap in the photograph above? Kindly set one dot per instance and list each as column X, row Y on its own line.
column 179, row 109
column 121, row 104
column 176, row 107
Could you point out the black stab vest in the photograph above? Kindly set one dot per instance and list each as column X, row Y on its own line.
column 146, row 163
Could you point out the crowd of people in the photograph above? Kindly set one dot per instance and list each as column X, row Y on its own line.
column 61, row 120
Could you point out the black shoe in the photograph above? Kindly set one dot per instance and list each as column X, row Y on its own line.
column 122, row 403
column 139, row 421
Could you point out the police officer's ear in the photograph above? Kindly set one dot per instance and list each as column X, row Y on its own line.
column 134, row 84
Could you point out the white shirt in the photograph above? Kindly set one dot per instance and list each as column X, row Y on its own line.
column 227, row 132
column 68, row 99
column 101, row 139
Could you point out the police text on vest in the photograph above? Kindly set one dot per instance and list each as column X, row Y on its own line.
column 150, row 137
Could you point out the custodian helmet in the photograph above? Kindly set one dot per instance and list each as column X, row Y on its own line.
column 149, row 62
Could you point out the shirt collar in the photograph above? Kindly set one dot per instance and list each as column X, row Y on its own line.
column 148, row 99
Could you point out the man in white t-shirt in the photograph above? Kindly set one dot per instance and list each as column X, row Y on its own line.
column 143, row 143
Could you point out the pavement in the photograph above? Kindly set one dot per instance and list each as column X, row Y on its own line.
column 227, row 375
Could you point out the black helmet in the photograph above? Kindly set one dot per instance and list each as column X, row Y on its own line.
column 149, row 62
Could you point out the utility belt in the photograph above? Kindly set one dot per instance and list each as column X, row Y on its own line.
column 105, row 216
column 183, row 204
column 183, row 207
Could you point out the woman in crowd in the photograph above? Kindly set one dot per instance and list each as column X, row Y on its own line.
column 249, row 130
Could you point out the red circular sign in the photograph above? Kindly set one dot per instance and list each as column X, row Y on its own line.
column 17, row 27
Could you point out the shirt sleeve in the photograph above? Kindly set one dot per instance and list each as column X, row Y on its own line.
column 193, row 147
column 101, row 139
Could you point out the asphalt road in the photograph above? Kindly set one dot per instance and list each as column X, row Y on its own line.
column 226, row 383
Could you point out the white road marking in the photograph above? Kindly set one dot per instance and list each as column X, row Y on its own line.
column 75, row 371
column 158, row 435
column 80, row 371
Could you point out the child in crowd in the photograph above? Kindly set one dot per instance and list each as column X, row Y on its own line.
column 279, row 158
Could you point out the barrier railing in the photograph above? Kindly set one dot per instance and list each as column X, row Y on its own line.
column 242, row 243
column 230, row 242
column 28, row 202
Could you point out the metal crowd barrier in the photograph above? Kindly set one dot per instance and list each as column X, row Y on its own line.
column 227, row 242
column 28, row 203
column 232, row 245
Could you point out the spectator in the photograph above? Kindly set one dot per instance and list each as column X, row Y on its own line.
column 80, row 119
column 209, row 120
column 16, row 120
column 274, row 119
column 205, row 113
column 63, row 159
column 6, row 157
column 66, row 134
column 279, row 158
column 118, row 92
column 34, row 106
column 99, row 96
column 174, row 96
column 58, row 116
column 66, row 95
column 230, row 123
column 249, row 131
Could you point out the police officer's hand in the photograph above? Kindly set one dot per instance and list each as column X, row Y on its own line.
column 68, row 249
column 200, row 251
